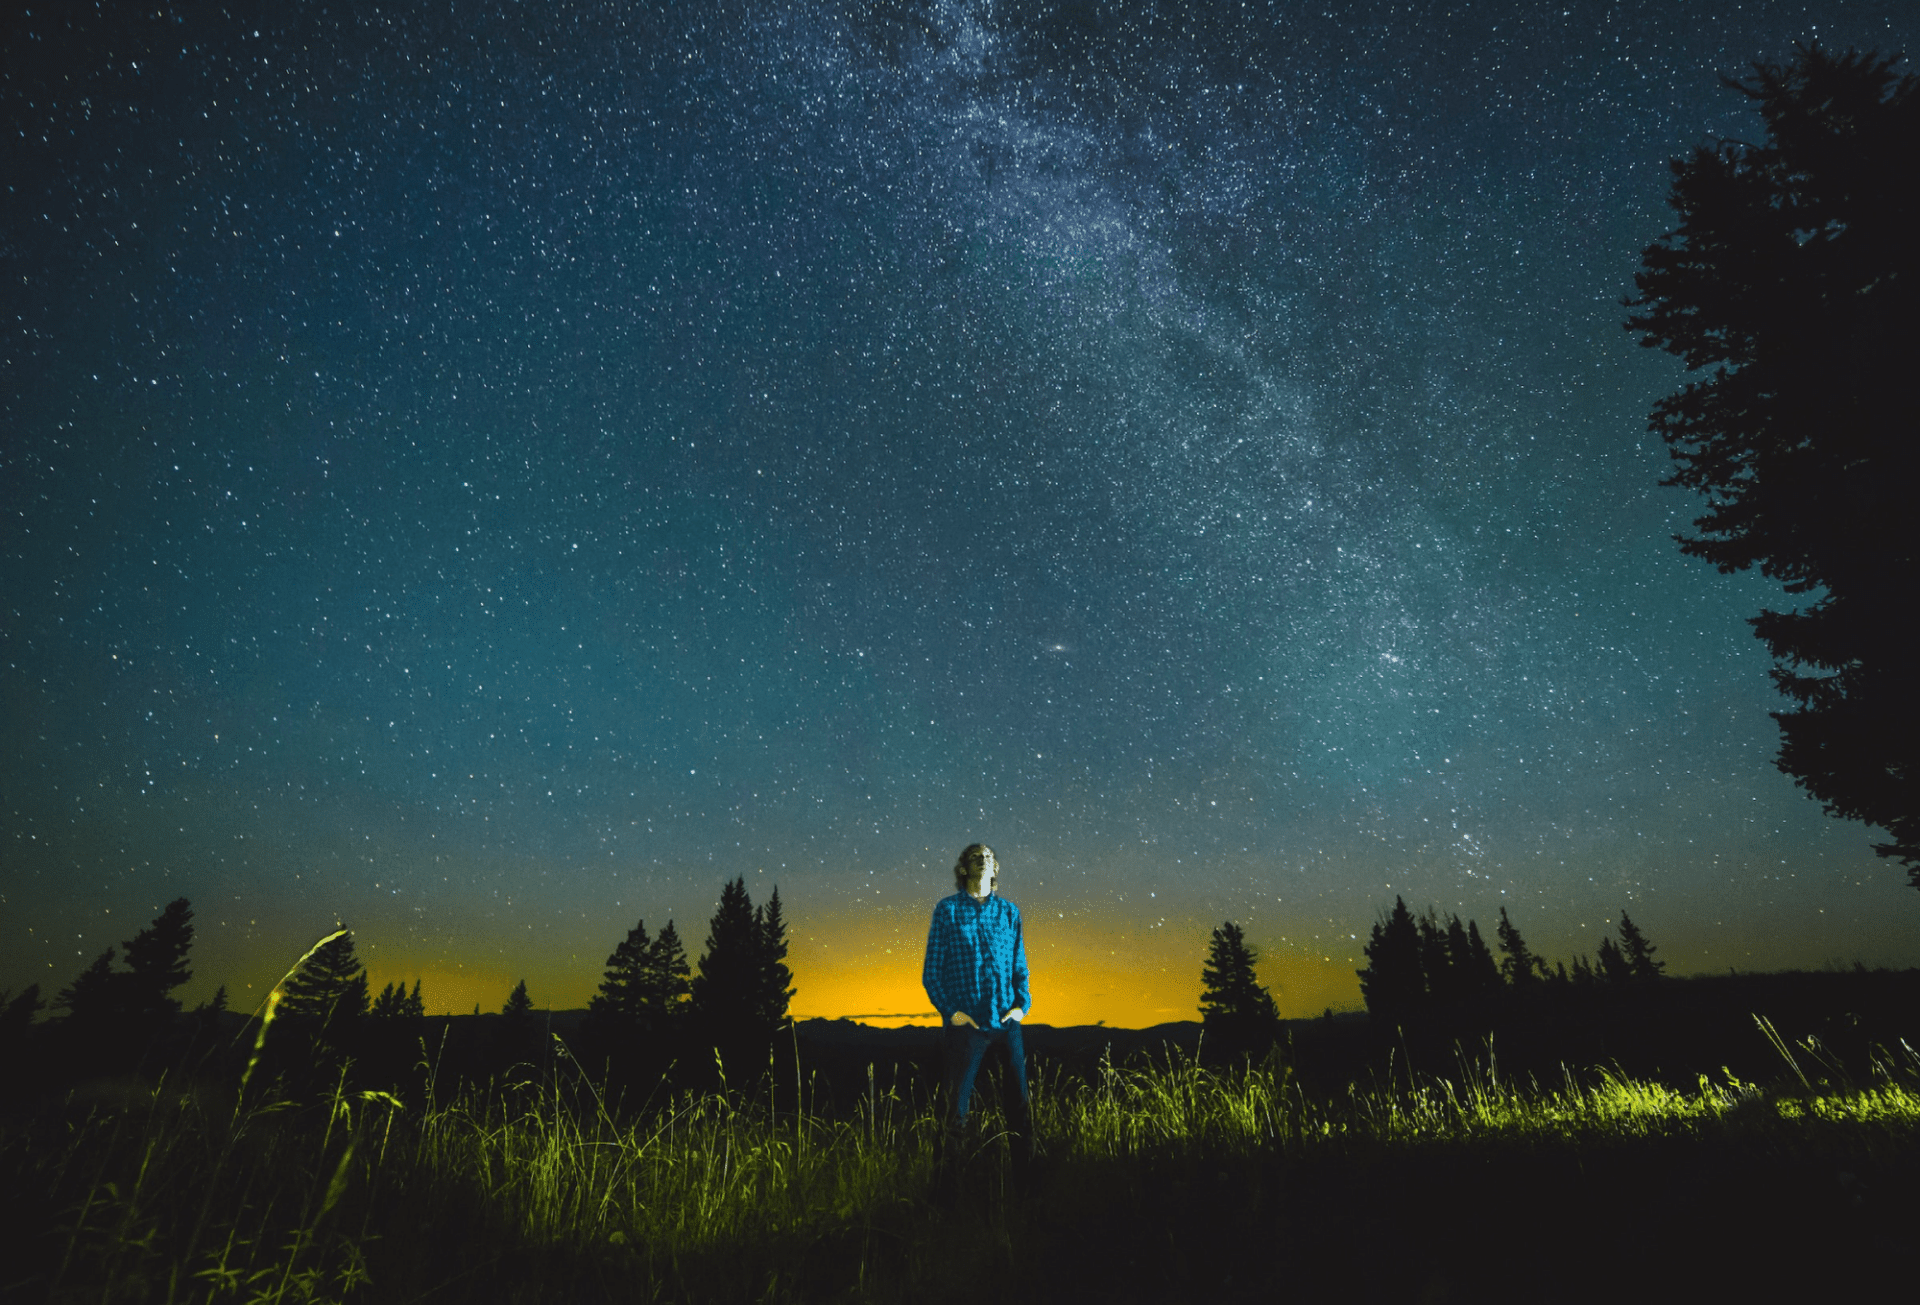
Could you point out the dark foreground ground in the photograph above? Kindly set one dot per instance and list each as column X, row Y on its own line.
column 1765, row 1199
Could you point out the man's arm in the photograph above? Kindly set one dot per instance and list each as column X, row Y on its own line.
column 1022, row 997
column 933, row 971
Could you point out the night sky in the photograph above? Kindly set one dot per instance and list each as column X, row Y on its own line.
column 489, row 473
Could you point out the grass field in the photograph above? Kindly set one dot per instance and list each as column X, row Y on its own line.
column 1164, row 1181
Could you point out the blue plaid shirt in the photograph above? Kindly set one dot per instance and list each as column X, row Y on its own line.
column 976, row 959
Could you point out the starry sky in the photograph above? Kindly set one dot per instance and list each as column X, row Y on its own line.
column 491, row 472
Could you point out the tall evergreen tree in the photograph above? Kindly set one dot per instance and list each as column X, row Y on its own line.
column 1436, row 968
column 1793, row 283
column 1614, row 968
column 617, row 1007
column 773, row 990
column 1459, row 975
column 667, row 980
column 1393, row 983
column 391, row 1004
column 519, row 1005
column 157, row 963
column 328, row 994
column 1519, row 964
column 1233, row 1004
column 93, row 997
column 729, row 1001
column 1638, row 952
column 644, row 991
column 1482, row 971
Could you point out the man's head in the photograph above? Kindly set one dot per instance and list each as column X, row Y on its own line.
column 974, row 873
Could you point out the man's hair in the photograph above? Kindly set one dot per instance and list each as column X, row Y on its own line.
column 971, row 862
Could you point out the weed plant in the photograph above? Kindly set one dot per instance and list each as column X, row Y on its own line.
column 1154, row 1181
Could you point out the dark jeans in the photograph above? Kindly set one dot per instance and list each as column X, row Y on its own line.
column 967, row 1048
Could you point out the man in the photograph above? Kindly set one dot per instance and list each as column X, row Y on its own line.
column 976, row 977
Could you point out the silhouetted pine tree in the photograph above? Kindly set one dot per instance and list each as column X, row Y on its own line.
column 667, row 980
column 1792, row 286
column 94, row 997
column 118, row 1014
column 391, row 1004
column 1482, row 973
column 1583, row 975
column 618, row 1008
column 325, row 999
column 1459, row 974
column 519, row 1005
column 1638, row 952
column 731, row 1002
column 643, row 992
column 1234, row 1008
column 774, row 994
column 1393, row 983
column 1520, row 966
column 1436, row 968
column 1614, row 967
column 156, row 960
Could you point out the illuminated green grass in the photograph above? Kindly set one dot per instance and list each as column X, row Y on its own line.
column 540, row 1191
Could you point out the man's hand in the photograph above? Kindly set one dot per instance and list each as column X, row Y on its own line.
column 1016, row 1015
column 964, row 1020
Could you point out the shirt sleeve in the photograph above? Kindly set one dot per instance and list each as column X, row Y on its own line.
column 933, row 973
column 1021, row 996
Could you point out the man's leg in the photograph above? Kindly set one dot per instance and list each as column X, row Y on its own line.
column 966, row 1047
column 1019, row 1113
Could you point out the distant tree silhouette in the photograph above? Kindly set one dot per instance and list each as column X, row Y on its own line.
column 1583, row 975
column 387, row 1004
column 775, row 995
column 326, row 998
column 396, row 1003
column 1234, row 1007
column 519, row 1005
column 156, row 960
column 1519, row 965
column 1614, row 967
column 93, row 997
column 1794, row 275
column 133, row 1006
column 1394, row 982
column 666, row 981
column 1638, row 952
column 740, row 995
column 644, row 990
column 1436, row 964
column 1455, row 983
column 1481, row 972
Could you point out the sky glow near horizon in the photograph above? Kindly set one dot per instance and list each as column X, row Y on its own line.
column 488, row 474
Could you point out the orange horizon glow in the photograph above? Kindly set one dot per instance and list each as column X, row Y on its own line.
column 867, row 968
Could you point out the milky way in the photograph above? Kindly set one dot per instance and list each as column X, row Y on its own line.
column 488, row 473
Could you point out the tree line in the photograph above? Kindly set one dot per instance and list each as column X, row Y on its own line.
column 651, row 1009
column 1420, row 967
column 654, row 1008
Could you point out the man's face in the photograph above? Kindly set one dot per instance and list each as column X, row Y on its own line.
column 989, row 871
